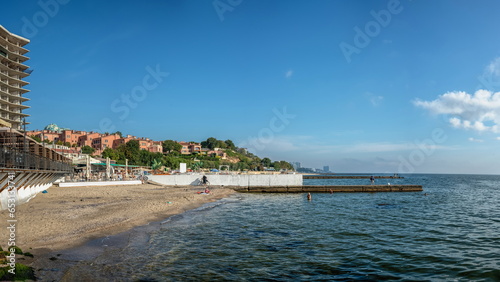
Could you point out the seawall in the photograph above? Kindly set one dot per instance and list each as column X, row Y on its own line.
column 330, row 189
column 349, row 177
column 236, row 180
column 274, row 183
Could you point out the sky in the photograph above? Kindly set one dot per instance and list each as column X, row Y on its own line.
column 361, row 86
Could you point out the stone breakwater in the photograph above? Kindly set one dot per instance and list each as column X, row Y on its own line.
column 329, row 188
column 349, row 177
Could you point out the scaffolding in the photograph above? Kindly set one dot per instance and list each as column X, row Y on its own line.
column 18, row 151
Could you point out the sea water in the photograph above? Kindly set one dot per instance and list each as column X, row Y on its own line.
column 449, row 232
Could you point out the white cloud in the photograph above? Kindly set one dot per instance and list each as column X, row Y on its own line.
column 494, row 67
column 479, row 112
column 374, row 99
column 498, row 138
column 490, row 79
column 289, row 73
column 471, row 139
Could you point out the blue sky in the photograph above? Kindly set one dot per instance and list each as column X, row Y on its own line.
column 361, row 86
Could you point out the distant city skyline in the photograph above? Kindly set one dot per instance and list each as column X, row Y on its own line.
column 361, row 86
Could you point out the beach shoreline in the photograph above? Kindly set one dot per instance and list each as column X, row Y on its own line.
column 69, row 217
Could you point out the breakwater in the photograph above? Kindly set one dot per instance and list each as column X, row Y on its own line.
column 349, row 177
column 236, row 180
column 330, row 189
column 275, row 183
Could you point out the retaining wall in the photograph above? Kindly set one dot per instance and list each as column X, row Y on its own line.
column 239, row 180
column 99, row 183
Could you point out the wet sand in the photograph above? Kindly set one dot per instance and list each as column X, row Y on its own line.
column 68, row 217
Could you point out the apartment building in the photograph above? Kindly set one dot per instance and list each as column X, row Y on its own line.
column 47, row 135
column 95, row 140
column 104, row 141
column 71, row 136
column 156, row 147
column 13, row 71
column 123, row 140
column 190, row 147
column 86, row 140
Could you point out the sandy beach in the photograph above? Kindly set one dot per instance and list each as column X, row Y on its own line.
column 68, row 217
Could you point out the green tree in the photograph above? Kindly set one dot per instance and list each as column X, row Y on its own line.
column 145, row 157
column 221, row 144
column 282, row 165
column 266, row 162
column 171, row 146
column 131, row 151
column 171, row 162
column 119, row 133
column 230, row 145
column 211, row 143
column 111, row 153
column 156, row 164
column 87, row 150
column 36, row 138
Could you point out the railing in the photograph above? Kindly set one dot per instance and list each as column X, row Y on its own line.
column 15, row 158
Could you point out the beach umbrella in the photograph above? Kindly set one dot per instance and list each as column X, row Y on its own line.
column 108, row 168
column 126, row 168
column 88, row 167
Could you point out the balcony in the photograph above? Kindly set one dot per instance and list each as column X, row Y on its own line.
column 12, row 78
column 22, row 73
column 13, row 45
column 14, row 63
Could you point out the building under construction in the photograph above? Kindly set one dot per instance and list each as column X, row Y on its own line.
column 26, row 166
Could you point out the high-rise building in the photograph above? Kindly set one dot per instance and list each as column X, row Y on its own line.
column 326, row 168
column 12, row 72
column 295, row 165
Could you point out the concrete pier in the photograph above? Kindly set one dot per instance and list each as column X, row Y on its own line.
column 243, row 180
column 329, row 188
column 348, row 177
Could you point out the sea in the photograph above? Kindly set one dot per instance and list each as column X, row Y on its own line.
column 448, row 232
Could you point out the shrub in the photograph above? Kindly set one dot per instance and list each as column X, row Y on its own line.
column 23, row 272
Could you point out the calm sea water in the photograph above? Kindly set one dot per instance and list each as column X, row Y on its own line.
column 450, row 234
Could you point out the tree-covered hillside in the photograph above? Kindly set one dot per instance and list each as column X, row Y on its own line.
column 233, row 157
